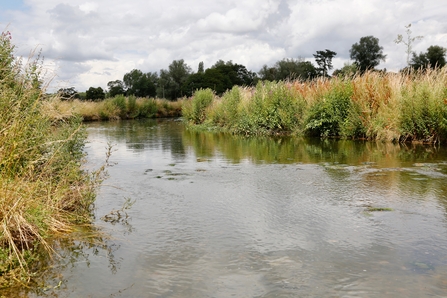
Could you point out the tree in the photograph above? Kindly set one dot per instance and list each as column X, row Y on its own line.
column 324, row 61
column 408, row 43
column 268, row 73
column 289, row 69
column 67, row 93
column 179, row 72
column 434, row 57
column 201, row 68
column 220, row 77
column 140, row 84
column 367, row 54
column 348, row 70
column 116, row 87
column 95, row 94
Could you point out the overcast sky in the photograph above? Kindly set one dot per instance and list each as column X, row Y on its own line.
column 89, row 43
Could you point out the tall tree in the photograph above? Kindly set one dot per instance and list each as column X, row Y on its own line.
column 115, row 88
column 179, row 72
column 220, row 77
column 367, row 54
column 201, row 68
column 95, row 94
column 289, row 69
column 408, row 43
column 324, row 61
column 140, row 84
column 434, row 57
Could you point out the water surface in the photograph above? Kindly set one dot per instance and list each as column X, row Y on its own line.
column 224, row 216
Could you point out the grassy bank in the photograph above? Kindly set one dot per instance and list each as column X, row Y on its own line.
column 118, row 107
column 375, row 106
column 44, row 193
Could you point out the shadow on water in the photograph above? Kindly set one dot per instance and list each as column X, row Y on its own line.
column 216, row 215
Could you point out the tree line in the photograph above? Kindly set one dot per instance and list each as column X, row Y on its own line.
column 179, row 80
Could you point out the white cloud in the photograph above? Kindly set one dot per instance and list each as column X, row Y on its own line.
column 93, row 42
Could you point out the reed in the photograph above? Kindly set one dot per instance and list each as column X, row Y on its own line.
column 407, row 106
column 115, row 108
column 44, row 192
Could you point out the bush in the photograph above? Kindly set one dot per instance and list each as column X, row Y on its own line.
column 42, row 187
column 195, row 110
column 327, row 115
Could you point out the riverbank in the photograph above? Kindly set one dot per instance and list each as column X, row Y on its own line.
column 44, row 191
column 395, row 107
column 115, row 108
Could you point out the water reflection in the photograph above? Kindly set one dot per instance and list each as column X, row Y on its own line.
column 220, row 216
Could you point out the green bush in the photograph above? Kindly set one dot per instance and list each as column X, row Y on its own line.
column 226, row 113
column 274, row 108
column 423, row 113
column 195, row 110
column 148, row 108
column 119, row 101
column 327, row 115
column 132, row 108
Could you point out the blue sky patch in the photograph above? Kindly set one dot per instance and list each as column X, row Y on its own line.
column 11, row 5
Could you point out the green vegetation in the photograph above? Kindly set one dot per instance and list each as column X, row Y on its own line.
column 376, row 106
column 367, row 53
column 44, row 193
column 115, row 108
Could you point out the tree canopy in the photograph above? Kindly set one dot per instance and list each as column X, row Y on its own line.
column 324, row 61
column 140, row 84
column 95, row 94
column 434, row 57
column 68, row 93
column 367, row 53
column 116, row 88
column 288, row 69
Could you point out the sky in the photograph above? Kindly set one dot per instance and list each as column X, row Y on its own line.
column 89, row 43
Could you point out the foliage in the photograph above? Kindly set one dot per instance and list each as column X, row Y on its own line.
column 194, row 110
column 367, row 54
column 274, row 109
column 424, row 108
column 68, row 93
column 140, row 84
column 374, row 105
column 43, row 190
column 348, row 70
column 324, row 61
column 95, row 94
column 327, row 114
column 116, row 88
column 288, row 69
column 434, row 57
column 222, row 76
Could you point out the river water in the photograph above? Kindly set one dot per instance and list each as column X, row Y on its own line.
column 213, row 215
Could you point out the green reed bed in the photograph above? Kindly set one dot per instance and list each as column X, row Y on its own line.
column 44, row 193
column 374, row 106
column 115, row 108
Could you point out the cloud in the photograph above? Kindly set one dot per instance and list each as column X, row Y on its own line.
column 93, row 42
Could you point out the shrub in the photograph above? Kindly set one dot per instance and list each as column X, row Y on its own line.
column 195, row 110
column 42, row 187
column 327, row 115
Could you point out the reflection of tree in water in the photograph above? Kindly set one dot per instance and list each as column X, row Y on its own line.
column 145, row 134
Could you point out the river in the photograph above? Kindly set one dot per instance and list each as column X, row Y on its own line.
column 201, row 214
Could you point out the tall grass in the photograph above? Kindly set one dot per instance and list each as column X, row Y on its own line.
column 43, row 190
column 375, row 106
column 115, row 108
